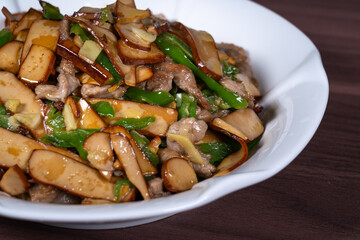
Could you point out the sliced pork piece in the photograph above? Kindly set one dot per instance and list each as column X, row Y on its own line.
column 203, row 114
column 43, row 193
column 156, row 188
column 93, row 91
column 236, row 87
column 249, row 85
column 185, row 80
column 67, row 67
column 66, row 85
column 64, row 29
column 160, row 81
column 206, row 169
column 182, row 76
column 189, row 127
column 221, row 113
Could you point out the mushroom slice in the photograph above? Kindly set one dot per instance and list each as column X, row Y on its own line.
column 127, row 13
column 246, row 121
column 128, row 32
column 100, row 152
column 135, row 56
column 178, row 175
column 127, row 157
column 60, row 171
column 130, row 3
column 204, row 50
column 26, row 21
column 219, row 124
column 14, row 181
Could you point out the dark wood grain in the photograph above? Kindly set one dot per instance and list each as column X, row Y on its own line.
column 317, row 196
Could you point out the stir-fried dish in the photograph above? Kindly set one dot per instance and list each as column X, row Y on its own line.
column 116, row 104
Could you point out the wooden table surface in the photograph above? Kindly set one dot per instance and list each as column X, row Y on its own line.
column 317, row 196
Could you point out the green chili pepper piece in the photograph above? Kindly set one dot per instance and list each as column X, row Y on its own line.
column 160, row 98
column 50, row 11
column 104, row 109
column 74, row 138
column 179, row 57
column 105, row 62
column 216, row 103
column 179, row 44
column 3, row 110
column 84, row 35
column 4, row 122
column 153, row 157
column 251, row 145
column 229, row 70
column 106, row 15
column 135, row 123
column 55, row 119
column 143, row 143
column 118, row 185
column 5, row 37
column 218, row 151
column 140, row 140
column 186, row 105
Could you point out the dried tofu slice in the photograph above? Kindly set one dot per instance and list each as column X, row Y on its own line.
column 10, row 56
column 37, row 66
column 44, row 33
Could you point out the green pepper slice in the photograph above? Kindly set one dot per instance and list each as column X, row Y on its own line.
column 50, row 11
column 160, row 98
column 179, row 57
column 135, row 123
column 5, row 37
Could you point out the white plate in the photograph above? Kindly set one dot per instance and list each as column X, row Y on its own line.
column 292, row 78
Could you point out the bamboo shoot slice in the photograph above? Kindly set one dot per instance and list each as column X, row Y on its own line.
column 16, row 149
column 178, row 175
column 89, row 118
column 57, row 170
column 126, row 155
column 13, row 88
column 14, row 181
column 147, row 168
